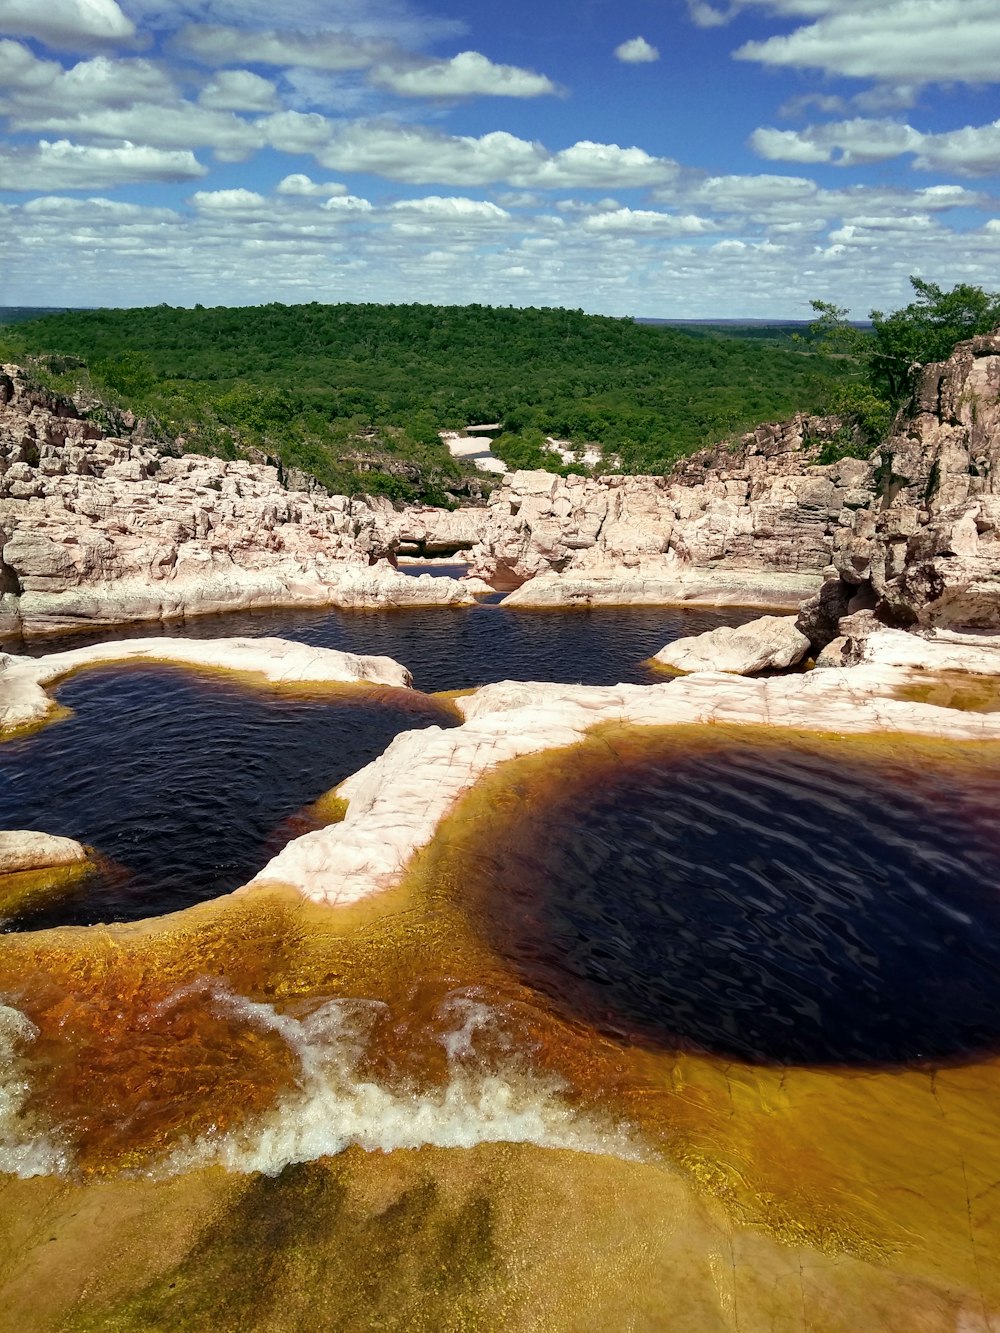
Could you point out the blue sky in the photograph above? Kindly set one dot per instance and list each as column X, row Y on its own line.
column 666, row 158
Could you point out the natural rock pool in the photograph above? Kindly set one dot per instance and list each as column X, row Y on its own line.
column 685, row 1028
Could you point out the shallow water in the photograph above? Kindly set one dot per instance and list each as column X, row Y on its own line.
column 686, row 1031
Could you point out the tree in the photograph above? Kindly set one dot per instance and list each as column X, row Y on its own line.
column 926, row 330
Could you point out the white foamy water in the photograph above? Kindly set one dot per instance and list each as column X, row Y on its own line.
column 334, row 1105
column 26, row 1147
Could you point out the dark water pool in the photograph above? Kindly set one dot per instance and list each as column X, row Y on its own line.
column 186, row 783
column 456, row 648
column 770, row 904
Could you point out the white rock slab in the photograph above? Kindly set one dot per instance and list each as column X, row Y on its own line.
column 23, row 680
column 28, row 849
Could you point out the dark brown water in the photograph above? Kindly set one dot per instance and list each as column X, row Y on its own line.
column 774, row 904
column 187, row 783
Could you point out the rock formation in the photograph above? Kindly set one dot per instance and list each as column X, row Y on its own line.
column 98, row 530
column 925, row 550
column 763, row 506
column 769, row 643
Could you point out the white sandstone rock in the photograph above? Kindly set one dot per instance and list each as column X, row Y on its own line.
column 760, row 645
column 24, row 701
column 27, row 849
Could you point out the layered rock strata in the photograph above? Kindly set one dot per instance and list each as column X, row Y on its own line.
column 754, row 522
column 97, row 530
column 925, row 550
column 25, row 702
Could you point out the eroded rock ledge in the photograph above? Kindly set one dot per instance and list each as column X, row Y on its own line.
column 25, row 702
column 99, row 530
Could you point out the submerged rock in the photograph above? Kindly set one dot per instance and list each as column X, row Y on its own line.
column 770, row 642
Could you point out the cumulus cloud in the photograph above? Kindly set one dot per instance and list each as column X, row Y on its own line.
column 239, row 90
column 903, row 41
column 844, row 143
column 347, row 203
column 238, row 200
column 469, row 74
column 161, row 126
column 636, row 51
column 305, row 187
column 648, row 220
column 37, row 92
column 452, row 209
column 68, row 166
column 419, row 155
column 66, row 24
column 971, row 151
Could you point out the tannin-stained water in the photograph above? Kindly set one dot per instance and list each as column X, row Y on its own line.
column 761, row 903
column 186, row 784
column 456, row 648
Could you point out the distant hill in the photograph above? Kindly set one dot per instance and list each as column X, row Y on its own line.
column 311, row 381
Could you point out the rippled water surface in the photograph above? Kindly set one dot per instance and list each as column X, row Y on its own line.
column 456, row 648
column 187, row 783
column 777, row 903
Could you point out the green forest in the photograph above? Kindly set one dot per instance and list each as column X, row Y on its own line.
column 356, row 394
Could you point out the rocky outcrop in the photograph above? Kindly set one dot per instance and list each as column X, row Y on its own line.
column 277, row 663
column 925, row 551
column 770, row 643
column 763, row 504
column 98, row 530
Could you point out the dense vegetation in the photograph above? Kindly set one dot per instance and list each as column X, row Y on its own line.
column 890, row 357
column 356, row 394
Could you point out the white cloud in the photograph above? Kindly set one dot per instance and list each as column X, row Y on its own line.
column 239, row 90
column 180, row 124
column 347, row 203
column 224, row 45
column 972, row 151
column 37, row 93
column 844, row 143
column 469, row 74
column 111, row 211
column 420, row 156
column 66, row 24
column 68, row 166
column 305, row 187
column 229, row 201
column 901, row 41
column 636, row 51
column 452, row 209
column 648, row 220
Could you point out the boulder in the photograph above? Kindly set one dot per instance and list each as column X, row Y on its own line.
column 27, row 849
column 768, row 643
